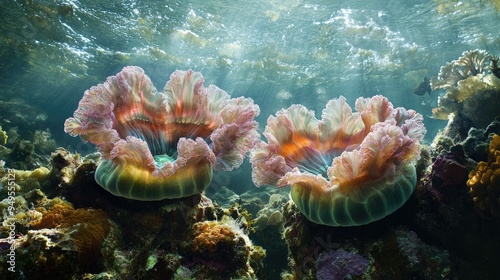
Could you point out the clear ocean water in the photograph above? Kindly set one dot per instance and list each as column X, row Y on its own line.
column 277, row 52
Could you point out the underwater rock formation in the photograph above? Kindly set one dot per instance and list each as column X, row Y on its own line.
column 108, row 237
column 86, row 227
column 222, row 248
column 52, row 240
column 446, row 210
column 377, row 252
column 27, row 150
column 271, row 214
column 347, row 168
column 447, row 178
column 155, row 145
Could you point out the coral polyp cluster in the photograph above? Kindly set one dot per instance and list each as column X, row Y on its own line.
column 211, row 235
column 484, row 182
column 223, row 248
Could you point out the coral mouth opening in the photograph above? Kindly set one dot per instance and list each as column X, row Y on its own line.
column 312, row 161
column 161, row 160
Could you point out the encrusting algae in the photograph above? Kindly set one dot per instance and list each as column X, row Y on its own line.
column 88, row 227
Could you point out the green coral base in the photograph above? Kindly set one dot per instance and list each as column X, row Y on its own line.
column 333, row 208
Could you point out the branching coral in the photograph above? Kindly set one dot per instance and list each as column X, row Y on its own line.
column 467, row 86
column 347, row 168
column 469, row 64
column 158, row 145
column 484, row 182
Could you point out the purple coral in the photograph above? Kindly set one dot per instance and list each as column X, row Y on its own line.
column 339, row 264
column 449, row 175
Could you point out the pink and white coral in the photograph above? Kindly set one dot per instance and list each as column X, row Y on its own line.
column 345, row 158
column 157, row 145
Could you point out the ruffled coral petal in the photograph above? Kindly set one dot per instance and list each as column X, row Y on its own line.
column 267, row 165
column 185, row 93
column 374, row 110
column 305, row 142
column 231, row 144
column 354, row 171
column 126, row 104
column 93, row 118
column 194, row 109
column 232, row 141
column 410, row 122
column 340, row 127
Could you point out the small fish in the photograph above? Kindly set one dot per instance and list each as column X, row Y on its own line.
column 494, row 67
column 423, row 87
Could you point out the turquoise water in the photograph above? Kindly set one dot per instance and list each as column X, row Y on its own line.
column 277, row 52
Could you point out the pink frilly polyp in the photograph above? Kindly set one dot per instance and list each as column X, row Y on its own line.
column 158, row 145
column 347, row 168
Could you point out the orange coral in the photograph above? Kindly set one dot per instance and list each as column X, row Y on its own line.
column 87, row 227
column 53, row 217
column 221, row 248
column 484, row 182
column 209, row 234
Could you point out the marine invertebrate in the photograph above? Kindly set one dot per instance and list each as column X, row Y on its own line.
column 158, row 145
column 25, row 180
column 471, row 63
column 449, row 172
column 467, row 85
column 63, row 235
column 347, row 168
column 484, row 182
column 223, row 247
column 209, row 235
